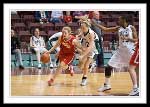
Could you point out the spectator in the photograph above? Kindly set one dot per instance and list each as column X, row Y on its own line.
column 57, row 17
column 37, row 45
column 68, row 17
column 96, row 17
column 15, row 48
column 42, row 16
column 90, row 14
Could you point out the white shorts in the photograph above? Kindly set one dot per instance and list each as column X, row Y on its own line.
column 120, row 58
column 92, row 55
column 42, row 50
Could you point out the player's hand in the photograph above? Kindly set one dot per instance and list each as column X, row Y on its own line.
column 83, row 49
column 47, row 52
column 56, row 55
column 81, row 57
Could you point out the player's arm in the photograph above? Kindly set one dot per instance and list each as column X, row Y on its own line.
column 106, row 29
column 31, row 43
column 91, row 43
column 135, row 37
column 81, row 17
column 43, row 43
column 77, row 44
column 55, row 46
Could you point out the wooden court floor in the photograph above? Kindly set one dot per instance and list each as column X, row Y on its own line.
column 33, row 82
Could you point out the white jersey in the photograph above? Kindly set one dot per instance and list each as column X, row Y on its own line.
column 126, row 32
column 53, row 40
column 122, row 55
column 55, row 36
column 86, row 40
column 38, row 42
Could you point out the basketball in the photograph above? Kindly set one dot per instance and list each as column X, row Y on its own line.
column 45, row 58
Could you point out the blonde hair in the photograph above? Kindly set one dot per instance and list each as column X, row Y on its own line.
column 68, row 29
column 86, row 20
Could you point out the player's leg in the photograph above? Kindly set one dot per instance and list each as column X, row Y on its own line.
column 93, row 63
column 19, row 58
column 120, row 56
column 81, row 63
column 85, row 71
column 69, row 61
column 133, row 75
column 61, row 66
column 56, row 57
column 106, row 85
column 137, row 74
column 37, row 51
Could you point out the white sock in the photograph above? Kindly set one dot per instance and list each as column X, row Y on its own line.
column 84, row 75
column 39, row 63
column 135, row 86
column 107, row 81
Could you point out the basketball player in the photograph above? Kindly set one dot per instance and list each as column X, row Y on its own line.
column 134, row 64
column 121, row 58
column 52, row 41
column 88, row 39
column 37, row 45
column 67, row 44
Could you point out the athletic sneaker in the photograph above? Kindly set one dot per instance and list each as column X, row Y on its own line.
column 105, row 87
column 21, row 67
column 91, row 67
column 134, row 92
column 51, row 65
column 50, row 82
column 55, row 65
column 39, row 66
column 83, row 82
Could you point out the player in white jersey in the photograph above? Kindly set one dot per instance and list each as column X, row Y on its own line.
column 89, row 37
column 121, row 58
column 52, row 41
column 37, row 44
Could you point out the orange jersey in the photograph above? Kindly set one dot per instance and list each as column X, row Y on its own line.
column 66, row 46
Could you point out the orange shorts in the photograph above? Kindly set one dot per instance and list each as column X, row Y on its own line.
column 66, row 58
column 135, row 58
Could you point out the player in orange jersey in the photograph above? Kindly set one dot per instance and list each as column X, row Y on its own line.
column 68, row 44
column 134, row 64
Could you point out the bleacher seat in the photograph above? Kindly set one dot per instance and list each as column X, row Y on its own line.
column 26, row 59
column 111, row 24
column 51, row 32
column 19, row 27
column 106, row 46
column 47, row 26
column 28, row 19
column 74, row 26
column 59, row 26
column 33, row 25
column 24, row 36
column 15, row 19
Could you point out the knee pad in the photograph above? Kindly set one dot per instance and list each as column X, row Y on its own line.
column 108, row 71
